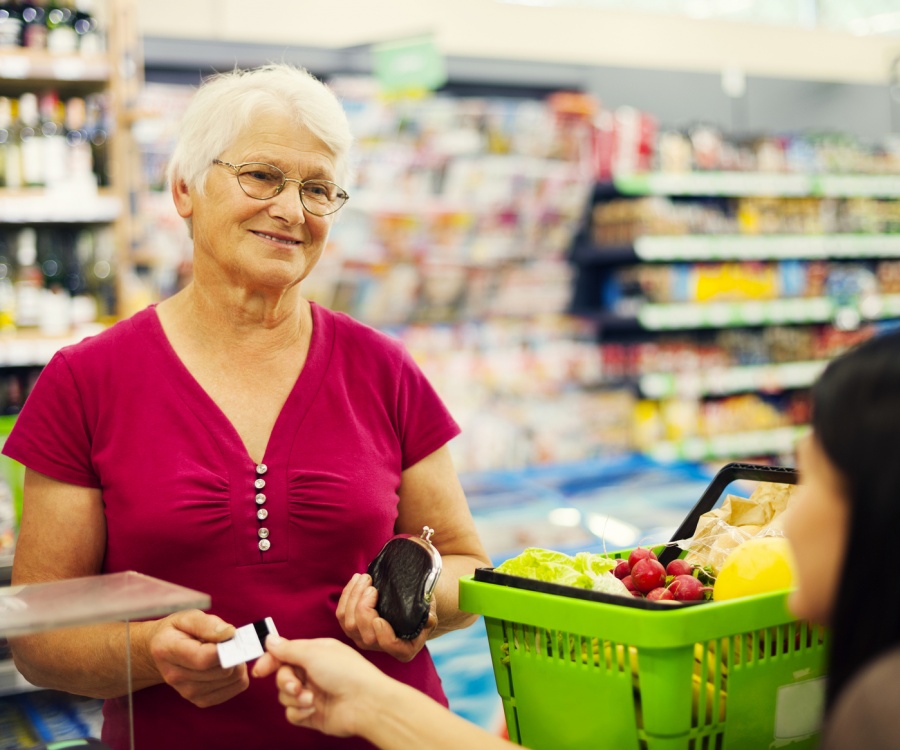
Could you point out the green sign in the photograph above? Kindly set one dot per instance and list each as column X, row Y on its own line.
column 409, row 65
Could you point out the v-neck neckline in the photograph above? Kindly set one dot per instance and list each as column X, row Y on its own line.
column 211, row 416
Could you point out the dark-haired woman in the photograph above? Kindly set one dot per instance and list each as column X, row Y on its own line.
column 844, row 528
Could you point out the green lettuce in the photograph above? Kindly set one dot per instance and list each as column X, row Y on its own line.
column 582, row 570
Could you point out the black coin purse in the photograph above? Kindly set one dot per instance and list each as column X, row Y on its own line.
column 405, row 574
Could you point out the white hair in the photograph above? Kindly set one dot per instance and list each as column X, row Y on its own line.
column 227, row 103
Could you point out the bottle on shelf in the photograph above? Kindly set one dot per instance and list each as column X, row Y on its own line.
column 54, row 139
column 10, row 24
column 61, row 35
column 7, row 274
column 34, row 24
column 29, row 280
column 97, row 132
column 31, row 141
column 79, row 161
column 9, row 152
column 55, row 317
column 90, row 40
column 95, row 253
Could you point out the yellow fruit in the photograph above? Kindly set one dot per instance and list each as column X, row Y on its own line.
column 758, row 565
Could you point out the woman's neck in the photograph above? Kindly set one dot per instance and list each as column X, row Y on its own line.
column 256, row 322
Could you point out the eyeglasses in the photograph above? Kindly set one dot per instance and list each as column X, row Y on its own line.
column 264, row 181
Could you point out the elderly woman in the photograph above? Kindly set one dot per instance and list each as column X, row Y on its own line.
column 239, row 440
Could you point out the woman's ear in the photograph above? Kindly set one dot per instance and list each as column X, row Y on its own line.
column 181, row 197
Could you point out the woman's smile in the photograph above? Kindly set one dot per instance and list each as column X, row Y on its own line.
column 280, row 239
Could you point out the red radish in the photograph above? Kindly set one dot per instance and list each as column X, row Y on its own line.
column 688, row 589
column 679, row 567
column 629, row 583
column 661, row 594
column 622, row 569
column 648, row 574
column 640, row 553
column 637, row 594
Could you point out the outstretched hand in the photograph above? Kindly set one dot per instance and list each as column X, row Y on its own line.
column 323, row 684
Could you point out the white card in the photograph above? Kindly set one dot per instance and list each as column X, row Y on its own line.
column 248, row 643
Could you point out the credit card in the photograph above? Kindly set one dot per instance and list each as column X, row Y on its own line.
column 248, row 643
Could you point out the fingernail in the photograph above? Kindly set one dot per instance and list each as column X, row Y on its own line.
column 292, row 687
column 221, row 628
column 273, row 639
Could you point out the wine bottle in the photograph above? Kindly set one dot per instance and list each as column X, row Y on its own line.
column 96, row 129
column 10, row 25
column 55, row 316
column 61, row 35
column 81, row 279
column 90, row 40
column 9, row 153
column 7, row 274
column 31, row 141
column 34, row 24
column 29, row 280
column 79, row 161
column 54, row 140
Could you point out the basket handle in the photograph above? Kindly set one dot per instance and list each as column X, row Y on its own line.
column 725, row 476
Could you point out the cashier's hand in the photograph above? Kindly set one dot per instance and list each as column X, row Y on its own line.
column 183, row 649
column 324, row 684
column 360, row 621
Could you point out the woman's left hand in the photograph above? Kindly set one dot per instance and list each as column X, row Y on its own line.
column 360, row 621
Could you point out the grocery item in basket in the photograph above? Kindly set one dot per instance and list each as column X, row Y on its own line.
column 757, row 566
column 721, row 530
column 585, row 570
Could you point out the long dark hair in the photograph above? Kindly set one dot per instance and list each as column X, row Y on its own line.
column 856, row 419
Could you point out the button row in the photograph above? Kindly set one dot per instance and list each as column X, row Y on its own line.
column 261, row 513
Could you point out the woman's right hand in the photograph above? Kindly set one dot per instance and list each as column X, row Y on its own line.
column 183, row 649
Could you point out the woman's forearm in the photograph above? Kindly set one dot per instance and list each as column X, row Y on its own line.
column 449, row 615
column 90, row 661
column 400, row 717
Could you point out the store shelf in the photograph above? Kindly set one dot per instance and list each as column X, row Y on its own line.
column 687, row 316
column 764, row 247
column 752, row 443
column 11, row 682
column 75, row 206
column 733, row 247
column 728, row 380
column 736, row 184
column 26, row 350
column 36, row 67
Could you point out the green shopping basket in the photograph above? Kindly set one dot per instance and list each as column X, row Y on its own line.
column 579, row 670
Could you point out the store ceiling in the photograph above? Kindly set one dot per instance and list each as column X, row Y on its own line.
column 854, row 16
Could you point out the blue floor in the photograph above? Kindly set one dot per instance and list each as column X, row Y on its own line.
column 609, row 504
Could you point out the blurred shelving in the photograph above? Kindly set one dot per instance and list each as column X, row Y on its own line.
column 777, row 441
column 726, row 380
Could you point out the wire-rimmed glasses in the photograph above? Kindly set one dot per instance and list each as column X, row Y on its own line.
column 263, row 181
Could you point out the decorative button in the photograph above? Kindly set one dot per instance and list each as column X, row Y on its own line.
column 260, row 498
column 262, row 514
column 259, row 483
column 264, row 544
column 261, row 469
column 263, row 533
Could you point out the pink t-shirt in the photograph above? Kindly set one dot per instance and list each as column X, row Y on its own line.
column 119, row 411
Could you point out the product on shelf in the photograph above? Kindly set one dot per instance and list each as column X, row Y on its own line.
column 64, row 215
column 61, row 27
